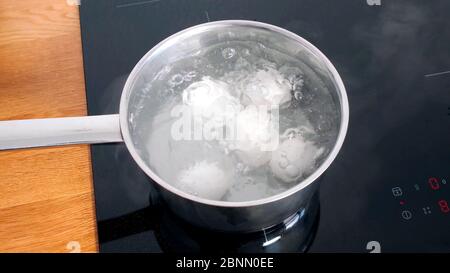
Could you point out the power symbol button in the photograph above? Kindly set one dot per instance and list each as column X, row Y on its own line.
column 406, row 214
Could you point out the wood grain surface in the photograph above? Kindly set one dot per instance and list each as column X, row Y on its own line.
column 46, row 194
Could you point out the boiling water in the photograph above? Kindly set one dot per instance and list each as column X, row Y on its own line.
column 266, row 122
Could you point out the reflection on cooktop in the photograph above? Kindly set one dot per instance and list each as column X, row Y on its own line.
column 156, row 225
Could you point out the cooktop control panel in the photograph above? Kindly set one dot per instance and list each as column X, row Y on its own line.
column 423, row 200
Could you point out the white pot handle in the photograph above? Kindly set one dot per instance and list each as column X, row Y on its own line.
column 29, row 133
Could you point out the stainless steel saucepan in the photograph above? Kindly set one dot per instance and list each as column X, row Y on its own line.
column 218, row 215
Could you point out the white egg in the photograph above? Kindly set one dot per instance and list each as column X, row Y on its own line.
column 266, row 87
column 209, row 98
column 204, row 179
column 294, row 158
column 254, row 137
column 211, row 107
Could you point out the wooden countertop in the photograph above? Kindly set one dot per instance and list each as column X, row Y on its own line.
column 46, row 194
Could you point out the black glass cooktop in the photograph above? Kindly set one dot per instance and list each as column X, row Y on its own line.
column 389, row 188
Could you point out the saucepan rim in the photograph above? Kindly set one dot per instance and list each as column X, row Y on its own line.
column 125, row 98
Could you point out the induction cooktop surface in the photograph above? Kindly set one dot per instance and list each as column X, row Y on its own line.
column 389, row 188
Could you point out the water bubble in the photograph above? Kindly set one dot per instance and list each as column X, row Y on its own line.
column 291, row 133
column 267, row 65
column 228, row 53
column 196, row 53
column 298, row 95
column 189, row 76
column 176, row 79
column 298, row 84
column 296, row 81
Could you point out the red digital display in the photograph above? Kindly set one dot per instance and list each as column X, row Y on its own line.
column 434, row 183
column 443, row 204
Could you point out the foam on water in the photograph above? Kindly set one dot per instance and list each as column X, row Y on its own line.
column 230, row 84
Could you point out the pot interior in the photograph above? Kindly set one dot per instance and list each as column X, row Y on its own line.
column 233, row 111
